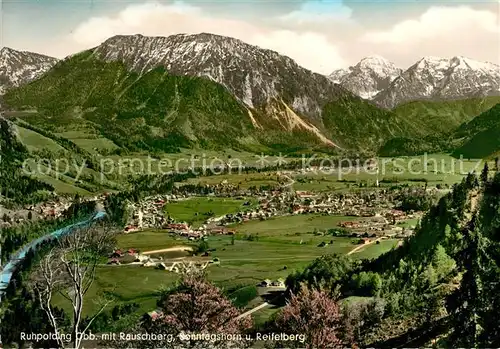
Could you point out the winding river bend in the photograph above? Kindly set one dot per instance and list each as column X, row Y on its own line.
column 18, row 257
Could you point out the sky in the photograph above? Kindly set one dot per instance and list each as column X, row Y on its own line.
column 319, row 35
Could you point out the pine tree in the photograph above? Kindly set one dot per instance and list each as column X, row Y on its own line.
column 467, row 303
column 484, row 174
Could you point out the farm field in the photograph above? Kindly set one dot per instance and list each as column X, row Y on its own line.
column 435, row 169
column 196, row 210
column 291, row 227
column 148, row 240
column 244, row 262
column 35, row 141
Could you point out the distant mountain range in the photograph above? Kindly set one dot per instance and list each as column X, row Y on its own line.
column 370, row 76
column 20, row 67
column 205, row 90
column 210, row 91
column 431, row 78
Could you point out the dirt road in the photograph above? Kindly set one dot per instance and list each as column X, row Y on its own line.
column 170, row 249
column 263, row 305
column 354, row 250
column 357, row 248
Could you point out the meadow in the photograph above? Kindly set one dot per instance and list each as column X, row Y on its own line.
column 435, row 169
column 196, row 210
column 243, row 264
column 291, row 227
column 283, row 245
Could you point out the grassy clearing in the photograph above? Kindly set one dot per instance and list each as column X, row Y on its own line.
column 243, row 265
column 243, row 180
column 35, row 141
column 125, row 284
column 410, row 223
column 90, row 141
column 196, row 210
column 95, row 145
column 291, row 227
column 244, row 295
column 61, row 187
column 374, row 250
column 148, row 240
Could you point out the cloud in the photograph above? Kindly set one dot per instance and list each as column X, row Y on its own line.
column 437, row 22
column 311, row 50
column 150, row 19
column 307, row 49
column 319, row 11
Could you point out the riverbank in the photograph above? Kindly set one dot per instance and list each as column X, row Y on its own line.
column 16, row 259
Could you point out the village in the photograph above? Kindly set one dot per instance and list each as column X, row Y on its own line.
column 48, row 210
column 375, row 212
column 153, row 259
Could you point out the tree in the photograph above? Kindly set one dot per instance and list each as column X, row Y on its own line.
column 314, row 314
column 362, row 318
column 484, row 174
column 202, row 247
column 69, row 269
column 329, row 270
column 466, row 302
column 198, row 307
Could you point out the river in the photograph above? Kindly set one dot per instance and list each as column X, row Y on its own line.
column 17, row 258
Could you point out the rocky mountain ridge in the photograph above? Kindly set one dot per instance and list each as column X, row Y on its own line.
column 20, row 67
column 269, row 84
column 370, row 76
column 280, row 104
column 254, row 75
column 431, row 78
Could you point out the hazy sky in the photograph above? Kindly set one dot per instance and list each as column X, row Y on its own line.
column 319, row 35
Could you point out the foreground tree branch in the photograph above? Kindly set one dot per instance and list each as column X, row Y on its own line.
column 69, row 269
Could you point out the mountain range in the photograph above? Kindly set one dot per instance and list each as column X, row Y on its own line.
column 210, row 91
column 431, row 78
column 20, row 67
column 370, row 76
column 204, row 90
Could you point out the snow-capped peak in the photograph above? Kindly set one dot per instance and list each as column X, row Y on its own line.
column 368, row 77
column 20, row 67
column 374, row 60
column 337, row 75
column 462, row 62
column 442, row 78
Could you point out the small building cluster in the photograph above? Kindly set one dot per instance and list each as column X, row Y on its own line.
column 134, row 257
column 268, row 283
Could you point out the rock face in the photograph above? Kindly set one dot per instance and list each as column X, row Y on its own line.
column 431, row 78
column 255, row 75
column 441, row 79
column 337, row 75
column 367, row 78
column 20, row 67
column 209, row 89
